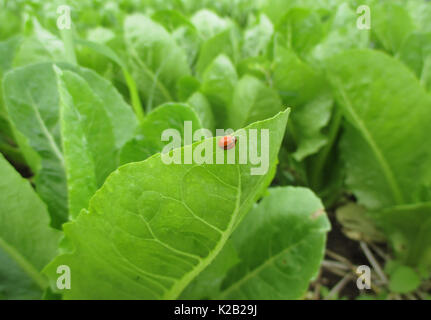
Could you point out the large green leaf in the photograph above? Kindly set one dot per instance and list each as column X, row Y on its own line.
column 383, row 145
column 31, row 98
column 88, row 139
column 279, row 245
column 12, row 143
column 27, row 243
column 153, row 227
column 120, row 114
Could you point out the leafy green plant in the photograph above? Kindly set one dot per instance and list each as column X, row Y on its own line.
column 82, row 115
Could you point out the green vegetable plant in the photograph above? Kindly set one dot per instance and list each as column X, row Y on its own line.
column 84, row 111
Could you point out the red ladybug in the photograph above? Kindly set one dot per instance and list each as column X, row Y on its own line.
column 227, row 142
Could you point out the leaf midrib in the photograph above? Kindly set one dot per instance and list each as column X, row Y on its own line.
column 45, row 130
column 262, row 266
column 28, row 268
column 387, row 171
column 225, row 236
column 178, row 287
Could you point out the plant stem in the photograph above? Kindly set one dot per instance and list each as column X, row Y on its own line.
column 134, row 96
